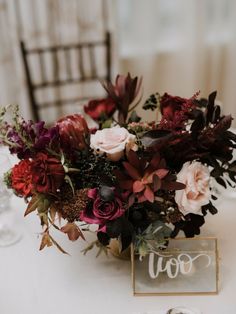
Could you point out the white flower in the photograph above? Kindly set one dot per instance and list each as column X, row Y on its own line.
column 196, row 177
column 113, row 142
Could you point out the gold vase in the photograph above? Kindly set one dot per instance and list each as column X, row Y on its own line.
column 114, row 246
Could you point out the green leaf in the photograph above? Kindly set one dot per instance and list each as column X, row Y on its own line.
column 153, row 238
column 107, row 124
column 152, row 102
column 134, row 117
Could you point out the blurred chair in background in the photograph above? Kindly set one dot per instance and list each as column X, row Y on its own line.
column 66, row 65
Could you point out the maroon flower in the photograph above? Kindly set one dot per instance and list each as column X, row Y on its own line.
column 102, row 211
column 142, row 179
column 96, row 109
column 47, row 173
column 124, row 94
column 21, row 178
column 175, row 111
column 73, row 130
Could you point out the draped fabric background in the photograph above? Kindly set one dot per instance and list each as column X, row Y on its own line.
column 179, row 46
column 43, row 23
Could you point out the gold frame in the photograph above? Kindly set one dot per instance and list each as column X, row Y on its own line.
column 178, row 293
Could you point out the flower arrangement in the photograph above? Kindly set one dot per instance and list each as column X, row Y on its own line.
column 139, row 182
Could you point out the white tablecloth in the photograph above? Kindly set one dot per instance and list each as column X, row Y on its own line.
column 33, row 282
column 48, row 282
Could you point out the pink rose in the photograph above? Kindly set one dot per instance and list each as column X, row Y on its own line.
column 113, row 142
column 196, row 177
column 102, row 211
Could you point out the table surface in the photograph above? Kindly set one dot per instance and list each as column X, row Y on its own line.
column 33, row 282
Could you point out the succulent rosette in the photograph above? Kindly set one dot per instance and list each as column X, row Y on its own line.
column 140, row 182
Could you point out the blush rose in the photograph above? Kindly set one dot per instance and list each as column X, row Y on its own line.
column 112, row 141
column 196, row 177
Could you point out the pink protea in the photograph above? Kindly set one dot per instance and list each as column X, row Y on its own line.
column 73, row 129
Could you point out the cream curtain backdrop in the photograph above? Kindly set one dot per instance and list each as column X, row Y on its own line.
column 181, row 46
column 42, row 23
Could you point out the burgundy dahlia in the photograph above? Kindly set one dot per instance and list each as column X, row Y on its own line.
column 47, row 173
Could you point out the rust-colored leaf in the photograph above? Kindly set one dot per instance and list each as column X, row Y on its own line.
column 58, row 246
column 52, row 212
column 73, row 231
column 148, row 193
column 33, row 204
column 138, row 186
column 46, row 241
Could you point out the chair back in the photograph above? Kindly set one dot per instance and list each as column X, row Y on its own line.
column 82, row 56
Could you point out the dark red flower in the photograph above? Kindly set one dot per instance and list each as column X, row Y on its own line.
column 73, row 129
column 170, row 104
column 96, row 109
column 47, row 173
column 21, row 178
column 124, row 93
column 102, row 211
column 175, row 111
column 142, row 179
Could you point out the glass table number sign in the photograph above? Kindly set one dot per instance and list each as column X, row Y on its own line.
column 187, row 266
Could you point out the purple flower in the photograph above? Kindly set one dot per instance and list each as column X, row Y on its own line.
column 18, row 146
column 102, row 211
column 31, row 138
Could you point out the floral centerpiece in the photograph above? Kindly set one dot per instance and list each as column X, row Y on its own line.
column 139, row 182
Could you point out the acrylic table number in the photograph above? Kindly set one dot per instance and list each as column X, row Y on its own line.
column 187, row 266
